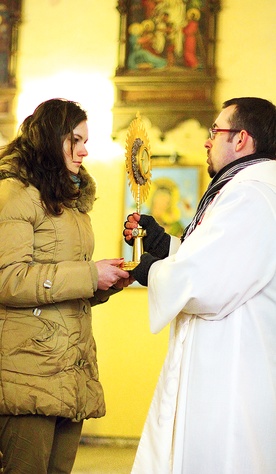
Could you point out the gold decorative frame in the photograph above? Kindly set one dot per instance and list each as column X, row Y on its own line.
column 180, row 86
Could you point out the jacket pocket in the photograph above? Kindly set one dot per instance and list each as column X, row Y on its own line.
column 33, row 346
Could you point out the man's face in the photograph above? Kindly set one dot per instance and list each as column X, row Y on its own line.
column 221, row 151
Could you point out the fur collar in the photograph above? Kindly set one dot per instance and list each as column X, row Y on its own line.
column 86, row 199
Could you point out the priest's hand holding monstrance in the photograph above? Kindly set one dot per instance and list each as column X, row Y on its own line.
column 138, row 167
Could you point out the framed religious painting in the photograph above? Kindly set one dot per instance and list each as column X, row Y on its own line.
column 10, row 17
column 172, row 200
column 166, row 61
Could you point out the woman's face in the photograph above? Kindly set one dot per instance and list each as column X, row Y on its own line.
column 74, row 160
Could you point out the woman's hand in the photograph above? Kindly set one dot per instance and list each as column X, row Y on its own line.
column 124, row 282
column 110, row 273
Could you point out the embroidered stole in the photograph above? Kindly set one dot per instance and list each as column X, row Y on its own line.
column 220, row 180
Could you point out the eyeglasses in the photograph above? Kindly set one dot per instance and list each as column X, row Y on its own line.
column 213, row 131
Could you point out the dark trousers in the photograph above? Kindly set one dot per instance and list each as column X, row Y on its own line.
column 38, row 444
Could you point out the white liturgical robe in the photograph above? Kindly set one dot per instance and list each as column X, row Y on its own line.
column 214, row 408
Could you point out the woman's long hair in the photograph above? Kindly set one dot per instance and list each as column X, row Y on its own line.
column 38, row 151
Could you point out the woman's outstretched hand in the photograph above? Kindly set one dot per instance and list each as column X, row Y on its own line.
column 110, row 274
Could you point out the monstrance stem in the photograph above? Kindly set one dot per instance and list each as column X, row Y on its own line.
column 138, row 199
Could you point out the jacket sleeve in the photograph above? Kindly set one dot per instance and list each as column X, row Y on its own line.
column 226, row 261
column 23, row 282
column 102, row 296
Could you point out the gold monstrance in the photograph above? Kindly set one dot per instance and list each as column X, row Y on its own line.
column 138, row 167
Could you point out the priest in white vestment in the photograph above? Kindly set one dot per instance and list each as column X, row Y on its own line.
column 214, row 408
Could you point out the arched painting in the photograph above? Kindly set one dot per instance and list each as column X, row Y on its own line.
column 169, row 35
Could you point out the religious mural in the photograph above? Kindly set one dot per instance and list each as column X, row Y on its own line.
column 166, row 34
column 9, row 18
